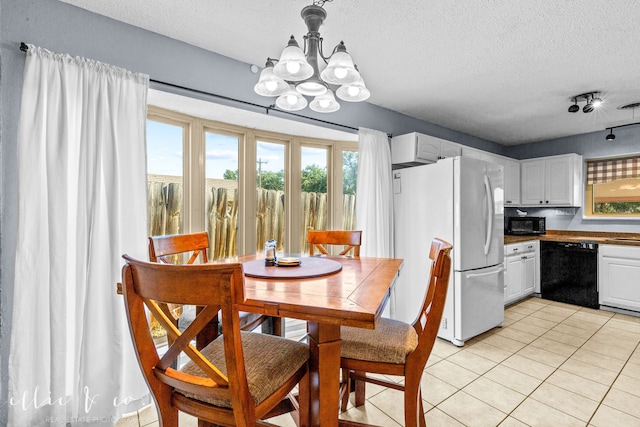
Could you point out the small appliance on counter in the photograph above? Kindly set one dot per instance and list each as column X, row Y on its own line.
column 526, row 225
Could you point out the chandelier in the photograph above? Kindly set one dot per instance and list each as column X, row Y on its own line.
column 296, row 73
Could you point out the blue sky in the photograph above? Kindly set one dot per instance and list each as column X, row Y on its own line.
column 164, row 152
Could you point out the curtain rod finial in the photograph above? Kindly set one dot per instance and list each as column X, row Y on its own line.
column 24, row 47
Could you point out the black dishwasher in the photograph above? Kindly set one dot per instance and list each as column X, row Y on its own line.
column 569, row 272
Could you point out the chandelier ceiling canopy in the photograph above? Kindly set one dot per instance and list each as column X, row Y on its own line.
column 296, row 73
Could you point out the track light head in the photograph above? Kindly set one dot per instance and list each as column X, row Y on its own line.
column 574, row 108
column 611, row 136
column 588, row 108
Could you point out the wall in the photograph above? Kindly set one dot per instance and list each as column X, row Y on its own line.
column 590, row 146
column 66, row 29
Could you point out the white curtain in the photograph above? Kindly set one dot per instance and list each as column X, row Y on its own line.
column 81, row 205
column 374, row 201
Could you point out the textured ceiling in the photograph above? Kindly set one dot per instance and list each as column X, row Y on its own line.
column 497, row 69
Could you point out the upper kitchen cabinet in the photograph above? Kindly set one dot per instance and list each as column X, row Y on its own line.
column 511, row 182
column 551, row 181
column 511, row 169
column 415, row 148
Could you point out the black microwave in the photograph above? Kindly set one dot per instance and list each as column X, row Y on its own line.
column 526, row 225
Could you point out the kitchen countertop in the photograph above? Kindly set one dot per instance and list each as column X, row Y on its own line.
column 602, row 238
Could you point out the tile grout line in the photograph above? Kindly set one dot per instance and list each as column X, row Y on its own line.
column 558, row 368
column 613, row 382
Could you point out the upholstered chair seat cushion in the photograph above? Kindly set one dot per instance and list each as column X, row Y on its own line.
column 390, row 342
column 269, row 360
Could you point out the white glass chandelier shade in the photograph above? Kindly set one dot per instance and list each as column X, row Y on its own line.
column 312, row 87
column 291, row 100
column 269, row 84
column 354, row 92
column 293, row 65
column 325, row 103
column 340, row 69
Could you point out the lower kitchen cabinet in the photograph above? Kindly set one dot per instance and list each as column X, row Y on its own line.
column 522, row 270
column 619, row 276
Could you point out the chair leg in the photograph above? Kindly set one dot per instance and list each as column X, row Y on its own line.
column 167, row 414
column 345, row 389
column 360, row 390
column 304, row 400
column 413, row 409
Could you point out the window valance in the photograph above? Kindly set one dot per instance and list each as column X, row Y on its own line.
column 600, row 171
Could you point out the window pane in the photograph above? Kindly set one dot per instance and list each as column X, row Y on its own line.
column 349, row 178
column 313, row 197
column 164, row 191
column 619, row 197
column 164, row 177
column 270, row 175
column 221, row 194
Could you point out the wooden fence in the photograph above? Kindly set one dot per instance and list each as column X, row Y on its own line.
column 165, row 215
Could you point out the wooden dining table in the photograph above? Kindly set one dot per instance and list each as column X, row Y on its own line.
column 353, row 296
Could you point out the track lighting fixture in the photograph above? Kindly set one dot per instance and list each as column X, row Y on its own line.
column 593, row 101
column 611, row 136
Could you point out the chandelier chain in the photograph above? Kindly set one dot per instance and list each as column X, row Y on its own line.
column 321, row 2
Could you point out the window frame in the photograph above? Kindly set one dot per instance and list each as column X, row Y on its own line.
column 194, row 174
column 588, row 201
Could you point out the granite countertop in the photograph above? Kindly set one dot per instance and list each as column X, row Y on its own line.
column 603, row 238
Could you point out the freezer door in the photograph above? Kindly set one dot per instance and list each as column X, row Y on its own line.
column 478, row 302
column 478, row 214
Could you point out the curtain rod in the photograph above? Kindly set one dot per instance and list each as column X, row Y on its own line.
column 24, row 47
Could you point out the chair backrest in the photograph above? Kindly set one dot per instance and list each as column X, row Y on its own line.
column 351, row 239
column 160, row 247
column 428, row 320
column 212, row 286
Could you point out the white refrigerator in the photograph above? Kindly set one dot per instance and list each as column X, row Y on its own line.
column 460, row 200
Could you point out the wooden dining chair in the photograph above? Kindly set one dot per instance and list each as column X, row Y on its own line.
column 398, row 348
column 194, row 246
column 350, row 239
column 237, row 379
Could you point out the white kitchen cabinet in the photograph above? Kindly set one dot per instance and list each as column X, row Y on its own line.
column 522, row 270
column 449, row 149
column 511, row 169
column 511, row 182
column 619, row 276
column 551, row 181
column 412, row 148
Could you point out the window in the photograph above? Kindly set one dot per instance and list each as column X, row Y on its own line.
column 245, row 186
column 222, row 197
column 165, row 176
column 613, row 188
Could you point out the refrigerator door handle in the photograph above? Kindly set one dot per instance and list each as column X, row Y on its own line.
column 489, row 273
column 490, row 214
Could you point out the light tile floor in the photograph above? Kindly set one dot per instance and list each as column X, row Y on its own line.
column 551, row 364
